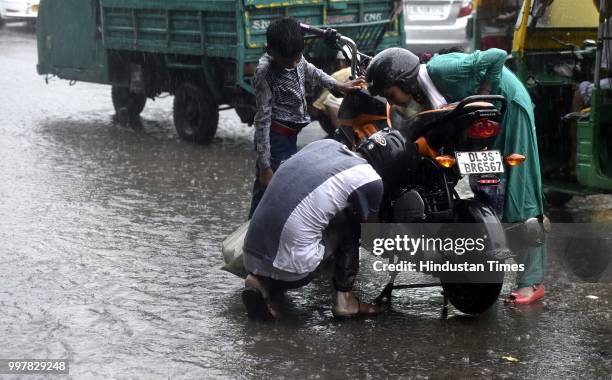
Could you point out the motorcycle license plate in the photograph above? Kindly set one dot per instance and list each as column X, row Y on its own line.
column 483, row 162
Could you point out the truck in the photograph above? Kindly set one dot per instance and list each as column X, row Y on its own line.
column 203, row 52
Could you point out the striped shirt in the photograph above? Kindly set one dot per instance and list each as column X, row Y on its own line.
column 306, row 192
column 280, row 95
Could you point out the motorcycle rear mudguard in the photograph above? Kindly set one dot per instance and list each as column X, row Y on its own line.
column 474, row 211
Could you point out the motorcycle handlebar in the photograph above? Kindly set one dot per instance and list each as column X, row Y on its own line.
column 314, row 30
column 335, row 38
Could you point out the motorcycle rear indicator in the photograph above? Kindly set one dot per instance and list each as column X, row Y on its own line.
column 514, row 159
column 484, row 129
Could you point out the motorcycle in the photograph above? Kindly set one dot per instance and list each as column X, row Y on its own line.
column 453, row 142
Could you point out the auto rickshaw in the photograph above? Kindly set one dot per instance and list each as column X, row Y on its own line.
column 557, row 45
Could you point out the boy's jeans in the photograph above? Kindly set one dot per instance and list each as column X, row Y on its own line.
column 281, row 148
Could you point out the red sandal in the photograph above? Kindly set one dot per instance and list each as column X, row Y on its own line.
column 518, row 299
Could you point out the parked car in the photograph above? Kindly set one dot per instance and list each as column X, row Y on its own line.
column 432, row 25
column 18, row 10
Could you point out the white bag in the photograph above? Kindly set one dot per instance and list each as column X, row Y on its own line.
column 232, row 251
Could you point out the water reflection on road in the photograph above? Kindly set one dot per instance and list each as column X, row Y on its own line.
column 109, row 256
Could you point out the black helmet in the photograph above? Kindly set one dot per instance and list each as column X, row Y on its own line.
column 390, row 155
column 393, row 66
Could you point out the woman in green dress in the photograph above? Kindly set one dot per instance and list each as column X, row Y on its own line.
column 394, row 74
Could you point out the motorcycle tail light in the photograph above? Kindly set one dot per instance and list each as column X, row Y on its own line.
column 445, row 161
column 484, row 129
column 514, row 159
column 488, row 181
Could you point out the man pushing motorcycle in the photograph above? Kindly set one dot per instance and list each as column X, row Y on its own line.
column 311, row 210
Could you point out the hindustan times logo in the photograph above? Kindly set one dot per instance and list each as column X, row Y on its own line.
column 447, row 266
column 411, row 245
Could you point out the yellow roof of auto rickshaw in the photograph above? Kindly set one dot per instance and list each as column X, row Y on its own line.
column 570, row 14
column 561, row 15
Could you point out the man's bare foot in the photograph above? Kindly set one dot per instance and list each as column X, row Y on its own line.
column 347, row 305
column 254, row 282
column 256, row 299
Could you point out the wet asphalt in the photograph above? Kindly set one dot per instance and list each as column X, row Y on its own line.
column 110, row 257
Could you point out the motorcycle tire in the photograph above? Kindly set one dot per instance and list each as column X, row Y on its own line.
column 472, row 298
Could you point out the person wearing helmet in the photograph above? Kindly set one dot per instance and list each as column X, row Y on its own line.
column 312, row 210
column 397, row 74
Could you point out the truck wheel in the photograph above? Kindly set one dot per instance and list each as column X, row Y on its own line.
column 472, row 298
column 131, row 102
column 557, row 199
column 195, row 113
column 2, row 22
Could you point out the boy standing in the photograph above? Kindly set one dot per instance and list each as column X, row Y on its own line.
column 280, row 82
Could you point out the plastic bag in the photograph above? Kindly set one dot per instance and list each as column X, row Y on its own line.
column 232, row 251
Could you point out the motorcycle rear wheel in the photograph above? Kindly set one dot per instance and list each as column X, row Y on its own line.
column 472, row 298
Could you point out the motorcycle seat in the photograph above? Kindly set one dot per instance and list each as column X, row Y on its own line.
column 423, row 122
column 432, row 116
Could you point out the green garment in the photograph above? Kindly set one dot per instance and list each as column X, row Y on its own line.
column 458, row 75
column 534, row 260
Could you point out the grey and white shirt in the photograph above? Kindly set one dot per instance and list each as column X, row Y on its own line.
column 280, row 95
column 306, row 192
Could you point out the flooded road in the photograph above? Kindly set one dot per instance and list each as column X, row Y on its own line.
column 110, row 255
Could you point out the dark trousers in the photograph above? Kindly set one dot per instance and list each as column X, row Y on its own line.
column 341, row 240
column 281, row 148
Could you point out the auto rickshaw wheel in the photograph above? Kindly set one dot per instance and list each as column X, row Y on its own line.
column 472, row 298
column 196, row 114
column 126, row 101
column 557, row 199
